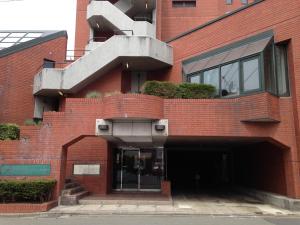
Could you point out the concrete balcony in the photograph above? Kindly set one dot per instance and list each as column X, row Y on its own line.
column 254, row 116
column 106, row 16
column 140, row 53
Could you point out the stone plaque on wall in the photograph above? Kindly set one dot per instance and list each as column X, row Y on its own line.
column 86, row 169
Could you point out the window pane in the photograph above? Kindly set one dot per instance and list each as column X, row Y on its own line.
column 195, row 79
column 270, row 79
column 230, row 79
column 14, row 35
column 282, row 70
column 184, row 3
column 212, row 77
column 251, row 74
column 49, row 64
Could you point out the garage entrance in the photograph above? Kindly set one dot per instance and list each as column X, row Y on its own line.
column 196, row 170
column 215, row 168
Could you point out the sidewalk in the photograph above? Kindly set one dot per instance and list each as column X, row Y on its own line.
column 177, row 208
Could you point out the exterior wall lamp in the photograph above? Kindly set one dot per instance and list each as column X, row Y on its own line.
column 160, row 127
column 103, row 127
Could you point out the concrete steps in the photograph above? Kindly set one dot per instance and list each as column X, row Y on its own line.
column 72, row 193
column 91, row 200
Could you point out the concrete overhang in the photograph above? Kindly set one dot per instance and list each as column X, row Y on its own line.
column 139, row 52
column 131, row 132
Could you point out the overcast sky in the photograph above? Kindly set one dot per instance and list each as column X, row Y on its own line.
column 39, row 15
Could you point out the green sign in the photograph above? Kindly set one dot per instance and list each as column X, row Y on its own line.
column 25, row 170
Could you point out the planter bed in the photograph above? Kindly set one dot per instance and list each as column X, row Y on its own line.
column 27, row 207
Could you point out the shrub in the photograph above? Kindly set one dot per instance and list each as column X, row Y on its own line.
column 32, row 122
column 93, row 94
column 160, row 89
column 185, row 90
column 9, row 132
column 112, row 93
column 196, row 91
column 26, row 190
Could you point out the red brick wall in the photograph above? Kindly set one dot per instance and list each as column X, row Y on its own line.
column 90, row 150
column 264, row 16
column 27, row 207
column 16, row 78
column 261, row 166
column 82, row 32
column 187, row 118
column 173, row 21
column 109, row 82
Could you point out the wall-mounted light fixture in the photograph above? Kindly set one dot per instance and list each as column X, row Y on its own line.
column 60, row 93
column 103, row 127
column 98, row 25
column 159, row 127
column 127, row 65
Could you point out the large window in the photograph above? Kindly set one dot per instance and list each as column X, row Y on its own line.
column 196, row 78
column 251, row 77
column 211, row 77
column 254, row 64
column 232, row 79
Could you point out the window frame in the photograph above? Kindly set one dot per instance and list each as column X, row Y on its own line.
column 260, row 74
column 184, row 4
column 287, row 69
column 48, row 62
column 229, row 2
column 259, row 56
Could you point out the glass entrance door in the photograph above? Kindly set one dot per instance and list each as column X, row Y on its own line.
column 151, row 169
column 138, row 169
column 130, row 169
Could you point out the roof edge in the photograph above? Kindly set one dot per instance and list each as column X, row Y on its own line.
column 214, row 21
column 228, row 47
column 32, row 43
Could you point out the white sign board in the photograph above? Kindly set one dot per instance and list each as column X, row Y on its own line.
column 87, row 169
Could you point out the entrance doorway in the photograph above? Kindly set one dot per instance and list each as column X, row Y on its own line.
column 137, row 169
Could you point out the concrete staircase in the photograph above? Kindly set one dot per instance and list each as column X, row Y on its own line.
column 141, row 52
column 72, row 193
column 105, row 13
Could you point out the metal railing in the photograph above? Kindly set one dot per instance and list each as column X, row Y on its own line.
column 117, row 32
column 98, row 39
column 71, row 56
column 143, row 18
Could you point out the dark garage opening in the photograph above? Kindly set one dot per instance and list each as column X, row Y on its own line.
column 219, row 167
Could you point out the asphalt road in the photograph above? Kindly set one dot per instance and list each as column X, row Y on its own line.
column 148, row 220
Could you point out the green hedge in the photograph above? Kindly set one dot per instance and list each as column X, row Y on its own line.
column 196, row 91
column 185, row 90
column 9, row 132
column 160, row 89
column 93, row 94
column 26, row 190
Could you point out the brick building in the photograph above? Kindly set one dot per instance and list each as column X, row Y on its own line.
column 247, row 136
